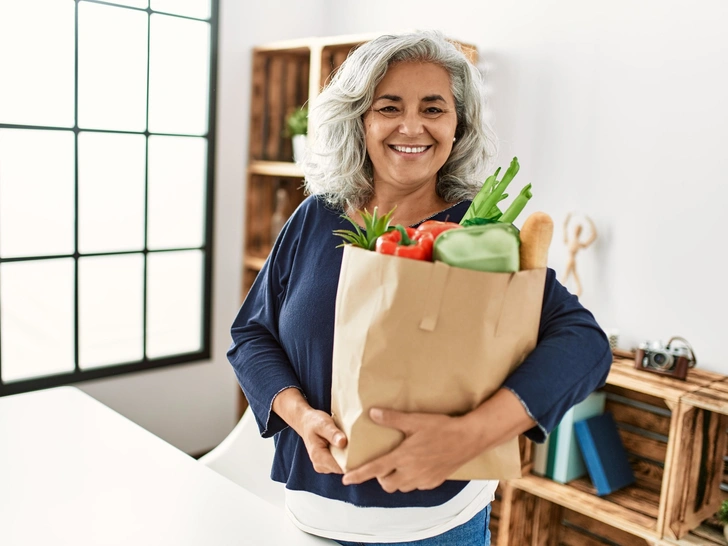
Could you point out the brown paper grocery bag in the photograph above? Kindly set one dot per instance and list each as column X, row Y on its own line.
column 422, row 336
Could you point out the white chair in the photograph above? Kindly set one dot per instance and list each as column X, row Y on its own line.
column 245, row 458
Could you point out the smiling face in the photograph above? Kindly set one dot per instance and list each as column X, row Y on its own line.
column 410, row 127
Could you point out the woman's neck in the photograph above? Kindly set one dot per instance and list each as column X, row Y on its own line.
column 408, row 210
column 411, row 205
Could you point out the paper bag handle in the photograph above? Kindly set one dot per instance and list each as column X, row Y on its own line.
column 436, row 292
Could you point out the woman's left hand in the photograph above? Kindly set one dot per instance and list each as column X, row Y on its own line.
column 434, row 447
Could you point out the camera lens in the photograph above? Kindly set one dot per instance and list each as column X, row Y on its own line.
column 659, row 359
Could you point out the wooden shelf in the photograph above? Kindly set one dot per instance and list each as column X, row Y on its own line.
column 597, row 508
column 705, row 535
column 275, row 168
column 313, row 43
column 254, row 262
column 714, row 397
column 671, row 390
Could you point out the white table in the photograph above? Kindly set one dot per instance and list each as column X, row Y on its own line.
column 74, row 472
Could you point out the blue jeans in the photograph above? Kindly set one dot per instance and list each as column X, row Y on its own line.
column 472, row 533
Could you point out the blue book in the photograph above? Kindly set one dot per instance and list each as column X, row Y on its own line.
column 568, row 463
column 604, row 453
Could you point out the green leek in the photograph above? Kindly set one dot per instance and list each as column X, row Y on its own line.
column 517, row 205
column 484, row 208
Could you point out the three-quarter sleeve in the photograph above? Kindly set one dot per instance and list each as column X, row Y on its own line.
column 571, row 359
column 256, row 354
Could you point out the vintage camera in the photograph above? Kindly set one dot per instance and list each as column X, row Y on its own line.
column 673, row 358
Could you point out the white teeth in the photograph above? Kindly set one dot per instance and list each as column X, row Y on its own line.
column 410, row 150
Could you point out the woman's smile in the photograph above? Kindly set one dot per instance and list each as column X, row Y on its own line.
column 410, row 150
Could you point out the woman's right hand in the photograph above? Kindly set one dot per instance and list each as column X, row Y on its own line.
column 316, row 428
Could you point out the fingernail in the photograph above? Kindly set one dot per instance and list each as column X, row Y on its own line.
column 338, row 438
column 375, row 413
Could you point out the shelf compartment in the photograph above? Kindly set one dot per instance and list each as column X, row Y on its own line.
column 695, row 467
column 280, row 85
column 530, row 517
column 603, row 509
column 332, row 57
column 263, row 200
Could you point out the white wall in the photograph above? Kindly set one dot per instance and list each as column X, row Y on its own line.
column 617, row 110
column 193, row 406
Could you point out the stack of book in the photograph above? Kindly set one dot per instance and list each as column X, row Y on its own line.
column 559, row 457
column 586, row 441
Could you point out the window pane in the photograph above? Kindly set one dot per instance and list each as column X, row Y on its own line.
column 112, row 67
column 36, row 192
column 36, row 317
column 177, row 174
column 37, row 62
column 174, row 308
column 110, row 309
column 110, row 192
column 178, row 75
column 190, row 8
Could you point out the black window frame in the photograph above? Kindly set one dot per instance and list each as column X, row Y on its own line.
column 79, row 375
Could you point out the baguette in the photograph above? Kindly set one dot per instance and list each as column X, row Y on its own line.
column 536, row 234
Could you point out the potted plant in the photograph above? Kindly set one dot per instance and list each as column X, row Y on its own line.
column 297, row 129
column 722, row 515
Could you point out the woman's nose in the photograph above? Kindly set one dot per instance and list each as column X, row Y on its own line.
column 411, row 124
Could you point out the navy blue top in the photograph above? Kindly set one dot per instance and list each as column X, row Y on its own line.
column 283, row 337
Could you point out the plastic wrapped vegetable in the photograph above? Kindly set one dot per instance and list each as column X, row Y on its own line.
column 488, row 247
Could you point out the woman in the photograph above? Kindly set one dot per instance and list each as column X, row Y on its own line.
column 400, row 125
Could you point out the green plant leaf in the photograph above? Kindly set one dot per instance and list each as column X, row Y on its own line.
column 297, row 122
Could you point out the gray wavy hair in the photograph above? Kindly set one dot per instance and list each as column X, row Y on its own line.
column 337, row 166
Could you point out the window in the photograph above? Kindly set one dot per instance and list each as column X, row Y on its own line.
column 106, row 169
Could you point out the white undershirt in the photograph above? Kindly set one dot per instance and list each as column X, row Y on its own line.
column 340, row 520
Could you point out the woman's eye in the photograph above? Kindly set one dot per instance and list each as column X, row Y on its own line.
column 388, row 111
column 433, row 111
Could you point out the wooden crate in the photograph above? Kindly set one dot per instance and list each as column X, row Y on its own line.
column 689, row 490
column 697, row 463
column 675, row 438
